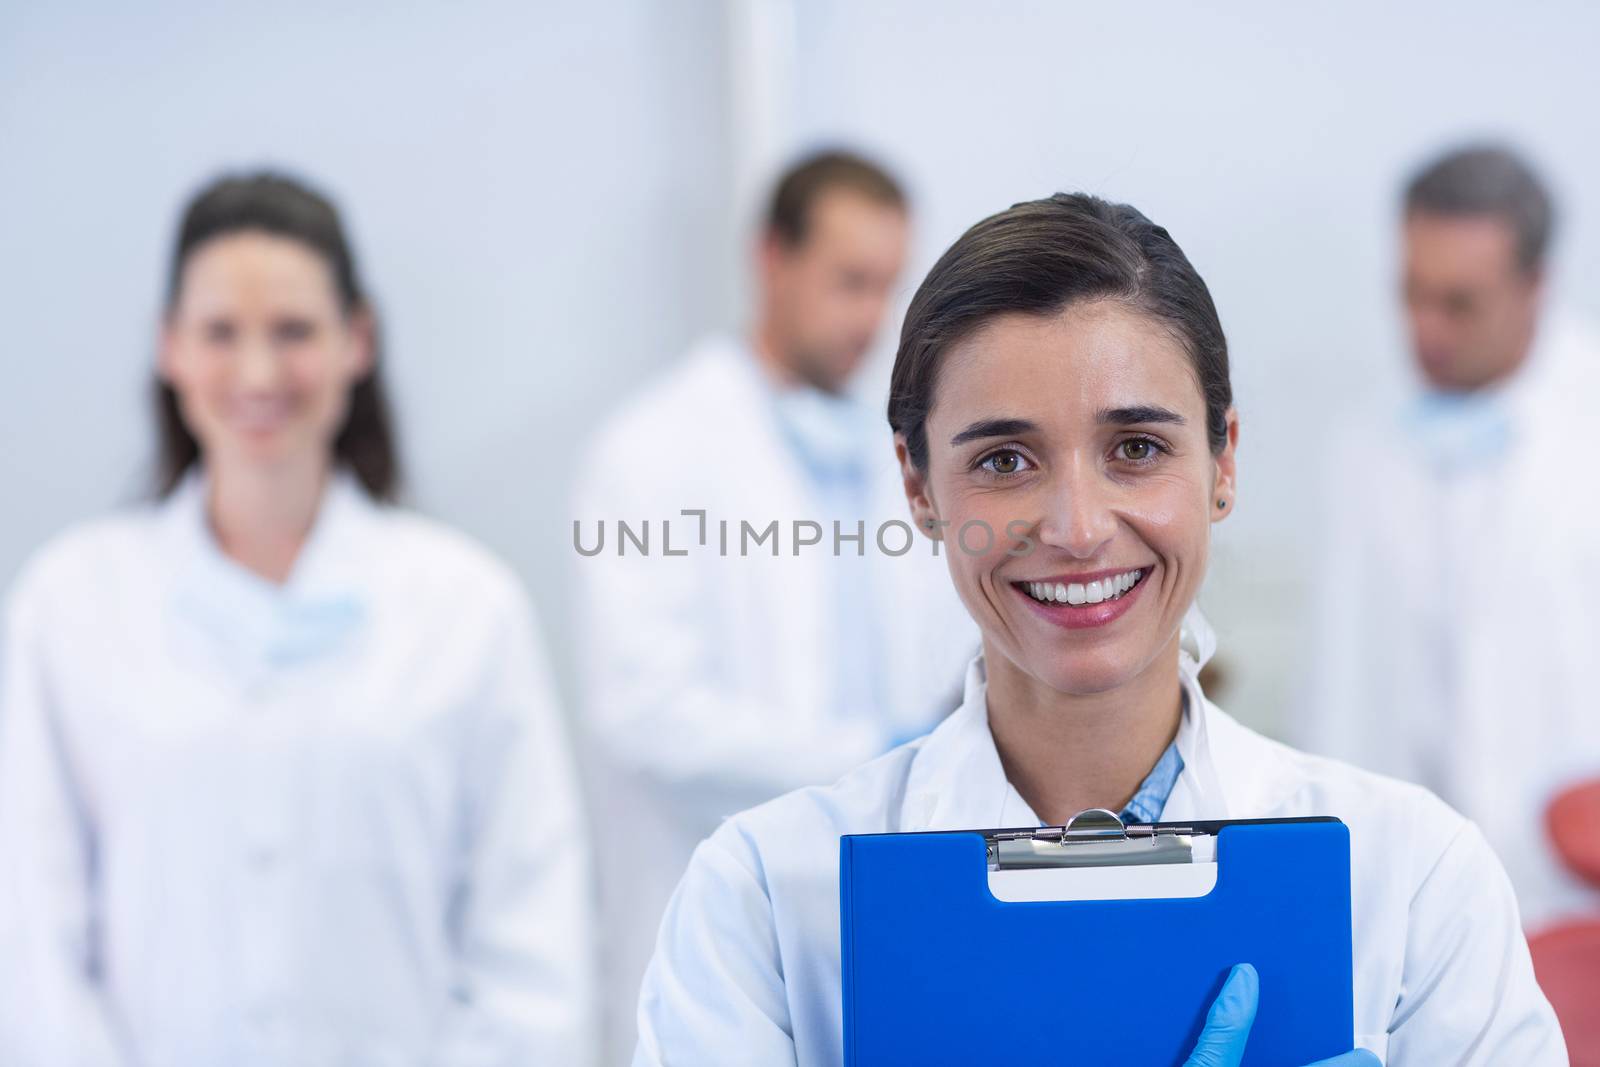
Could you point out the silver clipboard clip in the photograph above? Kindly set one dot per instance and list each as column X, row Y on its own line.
column 1098, row 838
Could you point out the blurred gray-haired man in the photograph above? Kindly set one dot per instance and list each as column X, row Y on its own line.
column 1456, row 610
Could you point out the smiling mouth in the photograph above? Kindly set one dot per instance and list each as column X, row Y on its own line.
column 259, row 414
column 1078, row 594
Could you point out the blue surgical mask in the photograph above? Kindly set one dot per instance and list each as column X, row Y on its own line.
column 304, row 628
column 258, row 627
column 1459, row 430
column 831, row 433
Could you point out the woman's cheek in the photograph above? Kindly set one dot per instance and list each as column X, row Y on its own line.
column 975, row 542
column 980, row 532
column 321, row 391
column 204, row 395
column 1175, row 526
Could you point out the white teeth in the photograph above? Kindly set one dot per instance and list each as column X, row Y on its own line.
column 1077, row 594
column 259, row 412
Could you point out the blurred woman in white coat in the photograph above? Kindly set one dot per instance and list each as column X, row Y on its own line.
column 1062, row 381
column 282, row 780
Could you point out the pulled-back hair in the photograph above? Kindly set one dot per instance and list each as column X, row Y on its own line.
column 1038, row 258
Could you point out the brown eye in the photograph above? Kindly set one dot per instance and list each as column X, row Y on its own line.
column 1005, row 461
column 1138, row 450
column 292, row 331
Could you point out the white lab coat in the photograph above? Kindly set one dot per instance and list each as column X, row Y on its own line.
column 1458, row 613
column 707, row 678
column 328, row 824
column 747, row 968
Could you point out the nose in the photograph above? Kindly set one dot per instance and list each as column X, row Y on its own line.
column 258, row 364
column 1431, row 325
column 1079, row 518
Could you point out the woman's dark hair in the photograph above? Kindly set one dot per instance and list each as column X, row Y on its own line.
column 283, row 207
column 1037, row 258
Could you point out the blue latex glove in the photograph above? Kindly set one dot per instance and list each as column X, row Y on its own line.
column 1227, row 1029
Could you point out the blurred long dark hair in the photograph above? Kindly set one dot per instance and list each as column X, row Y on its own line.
column 283, row 207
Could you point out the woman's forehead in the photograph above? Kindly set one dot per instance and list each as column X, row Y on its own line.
column 1079, row 361
column 255, row 267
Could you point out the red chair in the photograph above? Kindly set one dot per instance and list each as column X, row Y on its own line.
column 1566, row 957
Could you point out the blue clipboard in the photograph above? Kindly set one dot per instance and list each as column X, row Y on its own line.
column 936, row 970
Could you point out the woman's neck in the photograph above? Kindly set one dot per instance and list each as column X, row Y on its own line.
column 1065, row 752
column 262, row 516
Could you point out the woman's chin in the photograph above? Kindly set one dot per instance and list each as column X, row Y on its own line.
column 1085, row 674
column 268, row 449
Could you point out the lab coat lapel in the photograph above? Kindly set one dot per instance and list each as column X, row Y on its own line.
column 956, row 780
column 1229, row 772
column 216, row 604
column 326, row 599
column 253, row 625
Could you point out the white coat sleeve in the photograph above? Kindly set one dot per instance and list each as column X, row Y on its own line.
column 53, row 1012
column 652, row 699
column 522, row 924
column 714, row 992
column 1468, row 994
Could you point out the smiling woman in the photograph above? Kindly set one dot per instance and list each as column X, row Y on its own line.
column 1063, row 377
column 263, row 259
column 1064, row 410
column 281, row 770
column 1105, row 469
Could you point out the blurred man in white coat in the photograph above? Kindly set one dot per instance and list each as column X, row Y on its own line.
column 745, row 647
column 1458, row 612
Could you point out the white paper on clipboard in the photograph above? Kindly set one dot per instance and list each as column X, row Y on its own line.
column 1131, row 882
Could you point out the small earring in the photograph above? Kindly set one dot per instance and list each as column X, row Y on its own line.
column 1222, row 503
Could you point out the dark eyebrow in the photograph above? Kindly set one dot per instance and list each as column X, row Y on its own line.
column 993, row 428
column 1139, row 413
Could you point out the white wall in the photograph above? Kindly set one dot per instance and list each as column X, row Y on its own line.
column 537, row 194
column 1271, row 139
column 550, row 200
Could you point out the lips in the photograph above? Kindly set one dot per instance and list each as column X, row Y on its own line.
column 1086, row 600
column 259, row 414
column 1110, row 587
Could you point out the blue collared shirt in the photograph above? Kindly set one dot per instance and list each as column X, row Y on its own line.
column 1148, row 802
